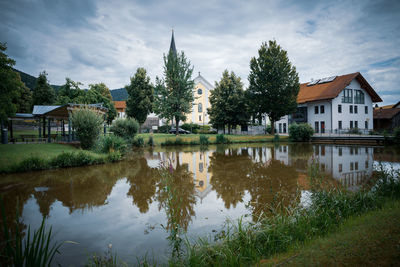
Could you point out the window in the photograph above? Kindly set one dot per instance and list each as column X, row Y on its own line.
column 340, row 151
column 355, row 124
column 339, row 108
column 201, row 167
column 355, row 109
column 280, row 127
column 351, row 109
column 347, row 96
column 322, row 150
column 199, row 117
column 199, row 91
column 351, row 124
column 200, row 107
column 316, row 127
column 366, row 164
column 322, row 127
column 316, row 110
column 351, row 166
column 340, row 167
column 366, row 125
column 284, row 128
column 356, row 165
column 340, row 125
column 366, row 109
column 359, row 97
column 322, row 109
column 366, row 150
column 351, row 151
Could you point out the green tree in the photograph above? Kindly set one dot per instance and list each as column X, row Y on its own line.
column 102, row 89
column 87, row 123
column 274, row 82
column 161, row 102
column 141, row 98
column 179, row 86
column 11, row 85
column 43, row 93
column 24, row 102
column 100, row 93
column 70, row 92
column 228, row 102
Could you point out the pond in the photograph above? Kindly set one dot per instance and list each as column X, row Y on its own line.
column 124, row 204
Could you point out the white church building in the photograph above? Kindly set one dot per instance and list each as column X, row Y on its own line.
column 334, row 105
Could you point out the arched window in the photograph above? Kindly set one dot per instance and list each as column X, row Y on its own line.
column 199, row 91
column 200, row 107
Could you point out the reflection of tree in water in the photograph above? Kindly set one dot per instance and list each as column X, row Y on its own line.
column 273, row 184
column 229, row 175
column 177, row 195
column 143, row 185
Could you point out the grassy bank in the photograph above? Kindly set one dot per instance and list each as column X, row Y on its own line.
column 27, row 157
column 194, row 139
column 360, row 241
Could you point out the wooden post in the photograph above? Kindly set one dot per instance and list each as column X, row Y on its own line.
column 40, row 128
column 44, row 127
column 63, row 129
column 48, row 131
column 69, row 128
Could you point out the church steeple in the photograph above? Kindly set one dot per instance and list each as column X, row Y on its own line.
column 172, row 46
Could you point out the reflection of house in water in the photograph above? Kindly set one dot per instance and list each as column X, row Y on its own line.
column 197, row 163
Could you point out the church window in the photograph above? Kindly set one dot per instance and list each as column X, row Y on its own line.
column 199, row 91
column 200, row 108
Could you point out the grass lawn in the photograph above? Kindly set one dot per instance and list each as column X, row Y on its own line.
column 161, row 138
column 372, row 239
column 11, row 154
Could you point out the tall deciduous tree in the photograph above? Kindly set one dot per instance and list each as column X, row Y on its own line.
column 100, row 93
column 179, row 84
column 11, row 86
column 228, row 102
column 69, row 92
column 141, row 98
column 43, row 93
column 25, row 101
column 274, row 82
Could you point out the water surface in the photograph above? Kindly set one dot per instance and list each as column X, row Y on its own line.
column 124, row 203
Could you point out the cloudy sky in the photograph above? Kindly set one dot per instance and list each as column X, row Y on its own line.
column 106, row 41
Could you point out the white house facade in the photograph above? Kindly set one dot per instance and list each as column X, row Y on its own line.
column 334, row 105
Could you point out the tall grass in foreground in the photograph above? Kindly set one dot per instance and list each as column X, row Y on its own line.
column 37, row 249
column 248, row 243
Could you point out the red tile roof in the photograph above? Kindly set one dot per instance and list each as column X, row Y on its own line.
column 332, row 89
column 120, row 104
column 385, row 113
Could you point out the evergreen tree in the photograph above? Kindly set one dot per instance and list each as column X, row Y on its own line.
column 228, row 103
column 70, row 92
column 11, row 86
column 43, row 93
column 140, row 100
column 274, row 83
column 24, row 102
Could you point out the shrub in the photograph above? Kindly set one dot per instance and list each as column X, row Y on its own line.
column 203, row 140
column 114, row 156
column 300, row 132
column 268, row 129
column 110, row 143
column 32, row 164
column 204, row 129
column 138, row 142
column 125, row 128
column 88, row 126
column 151, row 141
column 191, row 127
column 163, row 129
column 354, row 131
column 221, row 139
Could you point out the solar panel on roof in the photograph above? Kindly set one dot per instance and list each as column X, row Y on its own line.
column 313, row 82
column 327, row 79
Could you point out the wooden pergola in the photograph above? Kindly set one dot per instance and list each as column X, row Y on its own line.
column 61, row 113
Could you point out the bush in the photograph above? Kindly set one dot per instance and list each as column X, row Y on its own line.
column 110, row 143
column 203, row 140
column 354, row 131
column 125, row 128
column 114, row 156
column 88, row 126
column 221, row 139
column 268, row 129
column 138, row 142
column 163, row 129
column 32, row 164
column 191, row 127
column 301, row 132
column 151, row 141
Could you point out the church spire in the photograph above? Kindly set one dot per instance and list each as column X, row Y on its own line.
column 172, row 46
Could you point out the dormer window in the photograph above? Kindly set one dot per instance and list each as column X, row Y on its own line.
column 199, row 91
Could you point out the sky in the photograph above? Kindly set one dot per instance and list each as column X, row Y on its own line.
column 106, row 41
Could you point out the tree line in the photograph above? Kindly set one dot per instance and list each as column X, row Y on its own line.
column 272, row 91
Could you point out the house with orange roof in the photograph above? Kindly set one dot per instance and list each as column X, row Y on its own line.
column 334, row 104
column 120, row 106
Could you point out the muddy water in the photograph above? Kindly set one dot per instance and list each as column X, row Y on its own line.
column 124, row 203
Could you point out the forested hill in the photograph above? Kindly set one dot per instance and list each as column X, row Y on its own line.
column 30, row 82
